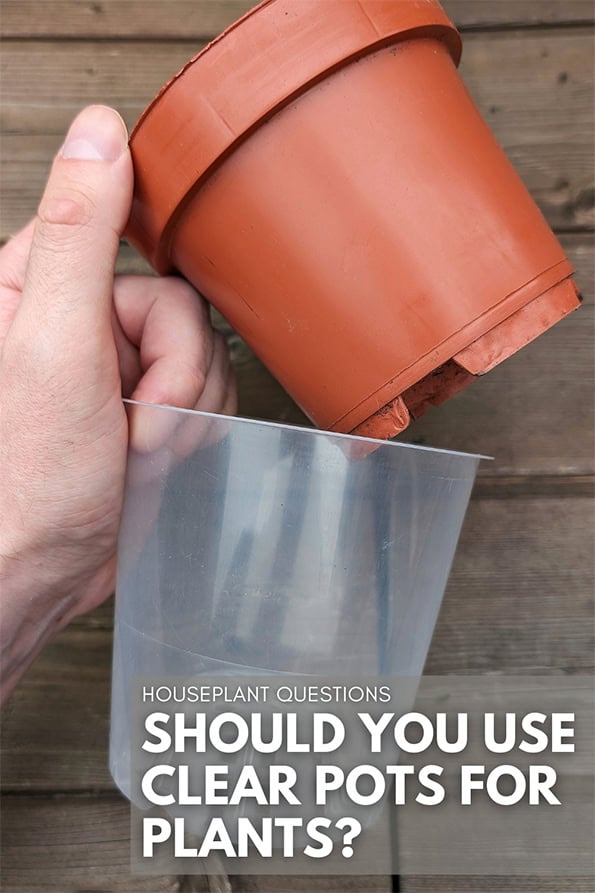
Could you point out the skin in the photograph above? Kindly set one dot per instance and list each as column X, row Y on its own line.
column 74, row 339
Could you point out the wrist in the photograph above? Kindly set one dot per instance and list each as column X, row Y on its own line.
column 35, row 603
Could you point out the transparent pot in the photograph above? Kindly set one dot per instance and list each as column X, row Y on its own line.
column 248, row 547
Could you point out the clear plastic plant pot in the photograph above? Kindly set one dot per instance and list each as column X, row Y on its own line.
column 248, row 547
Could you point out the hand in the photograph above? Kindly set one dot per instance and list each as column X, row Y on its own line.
column 73, row 341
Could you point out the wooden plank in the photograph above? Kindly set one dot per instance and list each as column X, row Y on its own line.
column 182, row 19
column 313, row 884
column 533, row 413
column 510, row 13
column 520, row 595
column 441, row 884
column 510, row 77
column 206, row 18
column 534, row 486
column 72, row 844
column 534, row 88
column 55, row 728
column 45, row 83
column 519, row 600
column 81, row 845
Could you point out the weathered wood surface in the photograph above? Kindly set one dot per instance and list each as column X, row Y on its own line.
column 519, row 600
column 205, row 18
column 520, row 596
column 55, row 728
column 440, row 884
column 79, row 844
column 326, row 884
column 74, row 844
column 536, row 93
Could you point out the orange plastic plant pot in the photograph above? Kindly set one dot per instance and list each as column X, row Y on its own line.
column 321, row 174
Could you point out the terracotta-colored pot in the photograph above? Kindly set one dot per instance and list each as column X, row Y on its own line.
column 320, row 173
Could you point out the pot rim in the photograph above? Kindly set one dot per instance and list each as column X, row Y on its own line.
column 224, row 114
column 358, row 438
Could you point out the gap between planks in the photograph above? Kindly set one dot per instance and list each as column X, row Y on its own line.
column 534, row 486
column 89, row 36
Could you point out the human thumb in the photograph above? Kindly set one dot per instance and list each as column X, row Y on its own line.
column 69, row 279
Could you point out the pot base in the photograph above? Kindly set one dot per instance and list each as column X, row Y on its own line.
column 467, row 365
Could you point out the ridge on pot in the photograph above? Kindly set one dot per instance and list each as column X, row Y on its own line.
column 320, row 173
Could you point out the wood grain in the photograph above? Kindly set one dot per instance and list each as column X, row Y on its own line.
column 519, row 600
column 72, row 844
column 440, row 884
column 326, row 884
column 80, row 844
column 520, row 595
column 205, row 18
column 535, row 92
column 55, row 728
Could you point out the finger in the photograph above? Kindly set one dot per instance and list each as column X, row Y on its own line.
column 13, row 262
column 178, row 435
column 153, row 429
column 14, row 257
column 69, row 278
column 217, row 397
column 169, row 322
column 214, row 392
column 128, row 358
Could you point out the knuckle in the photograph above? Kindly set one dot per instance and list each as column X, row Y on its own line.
column 196, row 377
column 72, row 210
column 187, row 379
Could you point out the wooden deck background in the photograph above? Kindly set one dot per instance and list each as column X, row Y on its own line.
column 520, row 598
